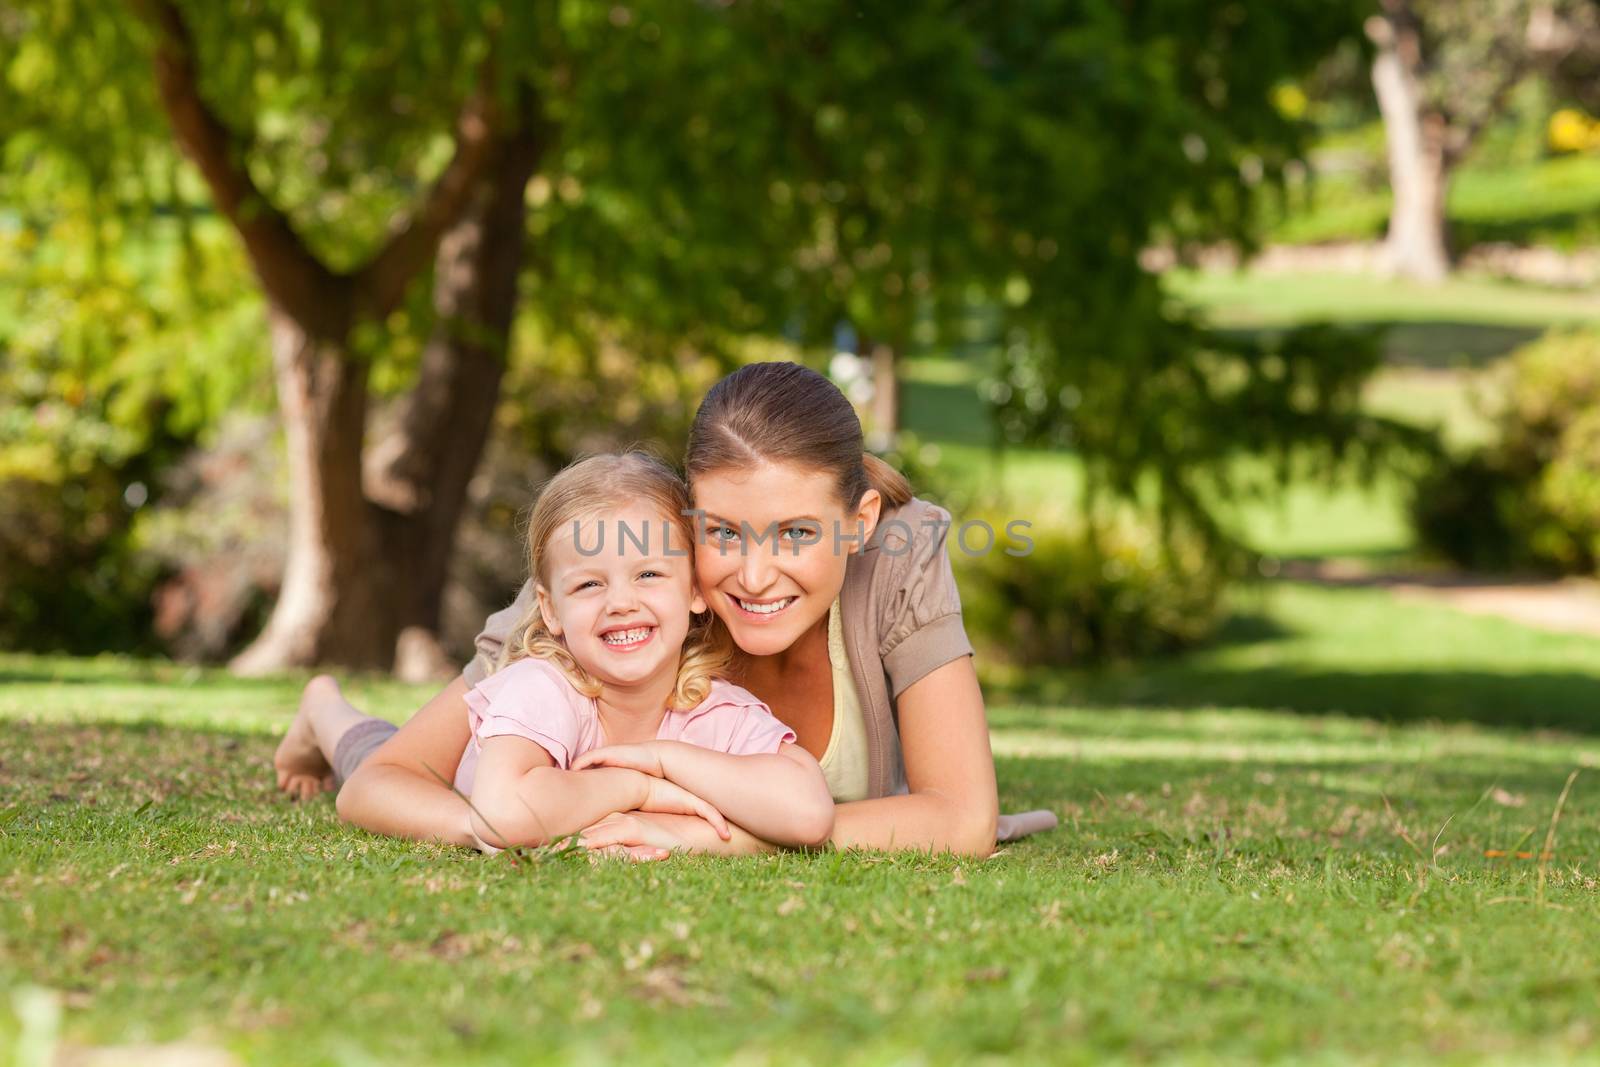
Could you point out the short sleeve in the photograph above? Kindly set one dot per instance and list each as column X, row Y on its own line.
column 735, row 721
column 532, row 699
column 920, row 627
column 496, row 630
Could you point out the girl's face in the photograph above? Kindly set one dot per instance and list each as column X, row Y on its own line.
column 623, row 610
column 773, row 554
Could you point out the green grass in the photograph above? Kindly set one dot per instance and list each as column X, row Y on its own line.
column 1466, row 321
column 1553, row 201
column 1308, row 518
column 1231, row 880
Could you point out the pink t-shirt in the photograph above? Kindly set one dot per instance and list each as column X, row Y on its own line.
column 531, row 698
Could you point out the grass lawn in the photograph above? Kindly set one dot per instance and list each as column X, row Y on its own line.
column 1553, row 201
column 1272, row 848
column 1298, row 843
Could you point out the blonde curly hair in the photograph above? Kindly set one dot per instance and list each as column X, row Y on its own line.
column 582, row 489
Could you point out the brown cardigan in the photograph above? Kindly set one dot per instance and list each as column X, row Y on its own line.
column 901, row 615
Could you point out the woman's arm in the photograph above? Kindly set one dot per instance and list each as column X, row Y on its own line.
column 781, row 797
column 398, row 790
column 952, row 805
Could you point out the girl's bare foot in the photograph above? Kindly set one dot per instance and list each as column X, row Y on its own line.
column 303, row 771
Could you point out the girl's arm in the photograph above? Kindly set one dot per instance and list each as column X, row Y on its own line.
column 780, row 797
column 520, row 797
column 952, row 805
column 403, row 789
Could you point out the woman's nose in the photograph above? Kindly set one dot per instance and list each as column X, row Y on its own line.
column 756, row 572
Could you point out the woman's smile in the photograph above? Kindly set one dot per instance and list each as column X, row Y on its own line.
column 762, row 610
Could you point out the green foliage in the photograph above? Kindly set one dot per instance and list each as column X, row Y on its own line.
column 1085, row 596
column 1470, row 511
column 716, row 177
column 109, row 369
column 1532, row 496
column 1291, row 400
column 1476, row 53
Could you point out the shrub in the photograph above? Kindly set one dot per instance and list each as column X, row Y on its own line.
column 1532, row 497
column 1078, row 597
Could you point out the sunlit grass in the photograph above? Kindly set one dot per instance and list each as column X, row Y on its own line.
column 1261, row 858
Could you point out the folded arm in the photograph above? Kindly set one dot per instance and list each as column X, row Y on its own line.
column 952, row 805
column 521, row 798
column 779, row 797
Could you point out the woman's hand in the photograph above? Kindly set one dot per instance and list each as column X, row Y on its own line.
column 644, row 757
column 671, row 799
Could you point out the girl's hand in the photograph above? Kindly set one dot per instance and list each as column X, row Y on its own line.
column 625, row 834
column 671, row 799
column 643, row 757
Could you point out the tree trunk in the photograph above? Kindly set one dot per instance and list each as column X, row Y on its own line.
column 885, row 414
column 1417, row 244
column 419, row 475
column 331, row 607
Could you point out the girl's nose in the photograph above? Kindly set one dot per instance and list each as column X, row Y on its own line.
column 620, row 597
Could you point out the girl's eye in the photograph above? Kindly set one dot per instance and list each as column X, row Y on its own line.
column 586, row 585
column 651, row 574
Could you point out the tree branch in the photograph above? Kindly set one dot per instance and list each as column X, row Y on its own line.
column 290, row 273
column 381, row 283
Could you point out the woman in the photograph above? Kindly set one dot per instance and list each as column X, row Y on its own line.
column 836, row 586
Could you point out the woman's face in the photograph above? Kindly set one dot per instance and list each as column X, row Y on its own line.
column 771, row 559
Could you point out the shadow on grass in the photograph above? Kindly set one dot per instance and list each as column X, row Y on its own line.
column 1249, row 628
column 946, row 412
column 154, row 673
column 1573, row 226
column 1433, row 344
column 1567, row 701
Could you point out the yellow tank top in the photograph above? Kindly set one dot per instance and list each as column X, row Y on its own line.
column 844, row 761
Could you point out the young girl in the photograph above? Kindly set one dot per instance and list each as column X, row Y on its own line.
column 606, row 698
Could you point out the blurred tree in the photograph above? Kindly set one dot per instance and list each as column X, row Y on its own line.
column 1443, row 70
column 691, row 176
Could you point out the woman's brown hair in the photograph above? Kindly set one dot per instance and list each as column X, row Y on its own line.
column 592, row 486
column 788, row 413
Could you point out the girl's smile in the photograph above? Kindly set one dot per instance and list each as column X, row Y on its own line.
column 627, row 639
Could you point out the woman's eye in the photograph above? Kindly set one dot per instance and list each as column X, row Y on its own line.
column 723, row 533
column 796, row 533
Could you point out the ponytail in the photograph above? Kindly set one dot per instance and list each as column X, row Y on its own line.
column 893, row 486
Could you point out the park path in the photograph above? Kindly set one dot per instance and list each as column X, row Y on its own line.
column 1564, row 605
